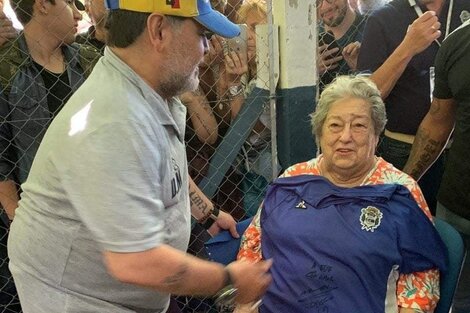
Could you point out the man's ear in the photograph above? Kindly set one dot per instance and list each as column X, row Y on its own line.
column 157, row 30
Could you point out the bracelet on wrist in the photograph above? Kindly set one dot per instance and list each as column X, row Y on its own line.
column 208, row 220
column 225, row 297
column 235, row 90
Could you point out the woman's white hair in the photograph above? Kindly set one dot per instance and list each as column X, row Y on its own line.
column 342, row 87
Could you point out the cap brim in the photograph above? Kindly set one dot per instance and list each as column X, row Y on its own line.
column 219, row 24
column 79, row 5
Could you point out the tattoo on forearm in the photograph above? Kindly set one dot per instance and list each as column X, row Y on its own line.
column 197, row 201
column 425, row 152
column 178, row 278
column 203, row 124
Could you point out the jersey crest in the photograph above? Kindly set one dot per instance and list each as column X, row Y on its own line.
column 370, row 218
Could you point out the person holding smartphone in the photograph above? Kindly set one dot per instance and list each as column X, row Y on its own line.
column 239, row 80
column 339, row 39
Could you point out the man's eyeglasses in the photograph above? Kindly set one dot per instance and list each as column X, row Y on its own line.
column 320, row 2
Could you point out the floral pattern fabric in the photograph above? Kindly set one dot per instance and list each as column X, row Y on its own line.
column 419, row 291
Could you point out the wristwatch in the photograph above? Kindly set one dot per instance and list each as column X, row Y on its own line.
column 235, row 90
column 225, row 297
column 214, row 215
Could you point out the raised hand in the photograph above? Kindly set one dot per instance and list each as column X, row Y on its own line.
column 216, row 50
column 422, row 32
column 350, row 54
column 236, row 66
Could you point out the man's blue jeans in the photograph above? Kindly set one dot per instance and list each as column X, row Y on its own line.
column 397, row 153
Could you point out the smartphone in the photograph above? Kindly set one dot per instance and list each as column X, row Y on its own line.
column 327, row 38
column 238, row 43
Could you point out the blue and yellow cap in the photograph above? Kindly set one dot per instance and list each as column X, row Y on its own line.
column 200, row 10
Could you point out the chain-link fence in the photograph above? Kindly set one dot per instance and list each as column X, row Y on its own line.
column 338, row 48
column 228, row 78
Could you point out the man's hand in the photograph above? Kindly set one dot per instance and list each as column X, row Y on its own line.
column 246, row 308
column 325, row 61
column 421, row 33
column 351, row 53
column 251, row 279
column 224, row 221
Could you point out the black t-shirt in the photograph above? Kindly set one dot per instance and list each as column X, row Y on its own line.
column 453, row 81
column 58, row 86
column 409, row 101
column 354, row 33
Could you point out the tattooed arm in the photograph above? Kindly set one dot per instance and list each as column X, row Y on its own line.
column 432, row 136
column 165, row 269
column 201, row 207
column 201, row 115
column 169, row 270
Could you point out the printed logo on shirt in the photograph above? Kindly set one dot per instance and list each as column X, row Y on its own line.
column 176, row 181
column 175, row 4
column 370, row 218
column 301, row 205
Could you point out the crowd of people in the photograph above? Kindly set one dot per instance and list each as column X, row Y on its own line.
column 105, row 136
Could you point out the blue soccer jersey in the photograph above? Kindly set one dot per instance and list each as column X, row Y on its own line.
column 340, row 250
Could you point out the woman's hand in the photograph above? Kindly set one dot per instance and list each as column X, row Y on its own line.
column 216, row 51
column 236, row 66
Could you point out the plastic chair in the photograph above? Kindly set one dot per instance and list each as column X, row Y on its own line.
column 456, row 250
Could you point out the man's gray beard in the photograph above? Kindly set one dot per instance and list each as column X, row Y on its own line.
column 177, row 85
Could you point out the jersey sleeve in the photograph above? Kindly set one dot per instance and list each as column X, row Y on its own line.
column 419, row 290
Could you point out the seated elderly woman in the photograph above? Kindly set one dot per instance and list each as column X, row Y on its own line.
column 347, row 231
